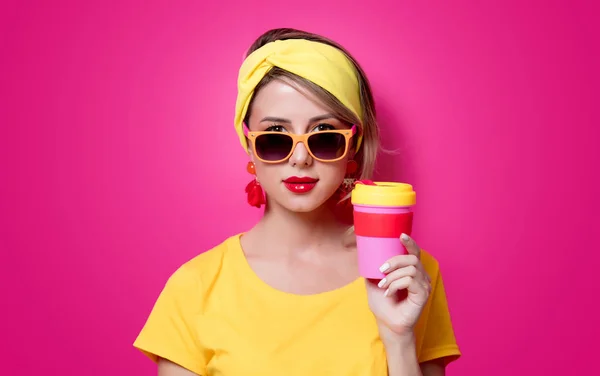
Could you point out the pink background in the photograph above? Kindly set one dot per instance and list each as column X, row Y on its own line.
column 117, row 117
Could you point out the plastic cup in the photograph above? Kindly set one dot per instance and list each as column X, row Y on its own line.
column 382, row 212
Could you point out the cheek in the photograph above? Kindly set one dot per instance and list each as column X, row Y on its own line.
column 334, row 172
column 266, row 173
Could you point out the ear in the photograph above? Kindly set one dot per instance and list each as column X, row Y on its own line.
column 251, row 154
column 351, row 153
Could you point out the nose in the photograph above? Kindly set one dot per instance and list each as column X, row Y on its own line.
column 300, row 157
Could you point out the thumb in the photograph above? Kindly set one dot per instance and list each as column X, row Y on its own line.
column 411, row 245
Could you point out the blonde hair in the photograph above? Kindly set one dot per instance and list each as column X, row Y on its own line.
column 369, row 149
column 367, row 153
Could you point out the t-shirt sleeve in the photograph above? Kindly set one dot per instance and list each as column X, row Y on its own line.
column 170, row 330
column 439, row 340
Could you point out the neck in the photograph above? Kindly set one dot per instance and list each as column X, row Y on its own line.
column 294, row 231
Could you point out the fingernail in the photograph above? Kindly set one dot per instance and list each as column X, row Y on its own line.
column 381, row 283
column 404, row 237
column 384, row 267
column 386, row 293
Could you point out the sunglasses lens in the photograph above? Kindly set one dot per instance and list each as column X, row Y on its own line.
column 327, row 146
column 273, row 147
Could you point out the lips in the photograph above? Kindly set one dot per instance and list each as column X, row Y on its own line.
column 298, row 184
column 300, row 180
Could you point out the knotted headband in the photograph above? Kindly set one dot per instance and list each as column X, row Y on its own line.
column 324, row 65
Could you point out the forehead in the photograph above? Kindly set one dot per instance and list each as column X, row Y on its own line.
column 286, row 100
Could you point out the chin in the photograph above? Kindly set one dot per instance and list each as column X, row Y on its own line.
column 302, row 208
column 303, row 203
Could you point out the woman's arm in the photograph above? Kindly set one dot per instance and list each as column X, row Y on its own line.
column 433, row 368
column 401, row 356
column 167, row 368
column 402, row 359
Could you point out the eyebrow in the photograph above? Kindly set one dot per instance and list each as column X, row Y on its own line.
column 287, row 121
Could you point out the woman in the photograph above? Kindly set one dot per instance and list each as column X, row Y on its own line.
column 285, row 297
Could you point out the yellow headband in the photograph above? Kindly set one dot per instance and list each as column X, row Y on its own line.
column 319, row 63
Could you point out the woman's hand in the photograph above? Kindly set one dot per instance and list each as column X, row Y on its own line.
column 398, row 300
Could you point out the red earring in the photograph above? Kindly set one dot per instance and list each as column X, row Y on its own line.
column 256, row 196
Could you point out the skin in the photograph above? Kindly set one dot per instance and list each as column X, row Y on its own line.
column 304, row 254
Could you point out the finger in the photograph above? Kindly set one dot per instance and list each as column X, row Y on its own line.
column 398, row 262
column 411, row 245
column 427, row 277
column 418, row 292
column 407, row 271
column 422, row 270
column 397, row 285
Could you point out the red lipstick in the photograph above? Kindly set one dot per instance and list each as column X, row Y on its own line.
column 299, row 184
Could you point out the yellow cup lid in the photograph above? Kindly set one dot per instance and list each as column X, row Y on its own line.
column 383, row 194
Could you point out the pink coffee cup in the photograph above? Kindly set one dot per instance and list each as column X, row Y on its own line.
column 382, row 212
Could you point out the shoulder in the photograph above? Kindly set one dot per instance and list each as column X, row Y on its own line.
column 205, row 267
column 436, row 332
column 171, row 328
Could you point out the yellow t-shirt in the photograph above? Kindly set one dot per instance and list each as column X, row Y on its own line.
column 215, row 316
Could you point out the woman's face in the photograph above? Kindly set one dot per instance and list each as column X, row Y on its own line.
column 300, row 183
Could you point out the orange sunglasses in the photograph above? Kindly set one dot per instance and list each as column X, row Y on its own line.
column 324, row 146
